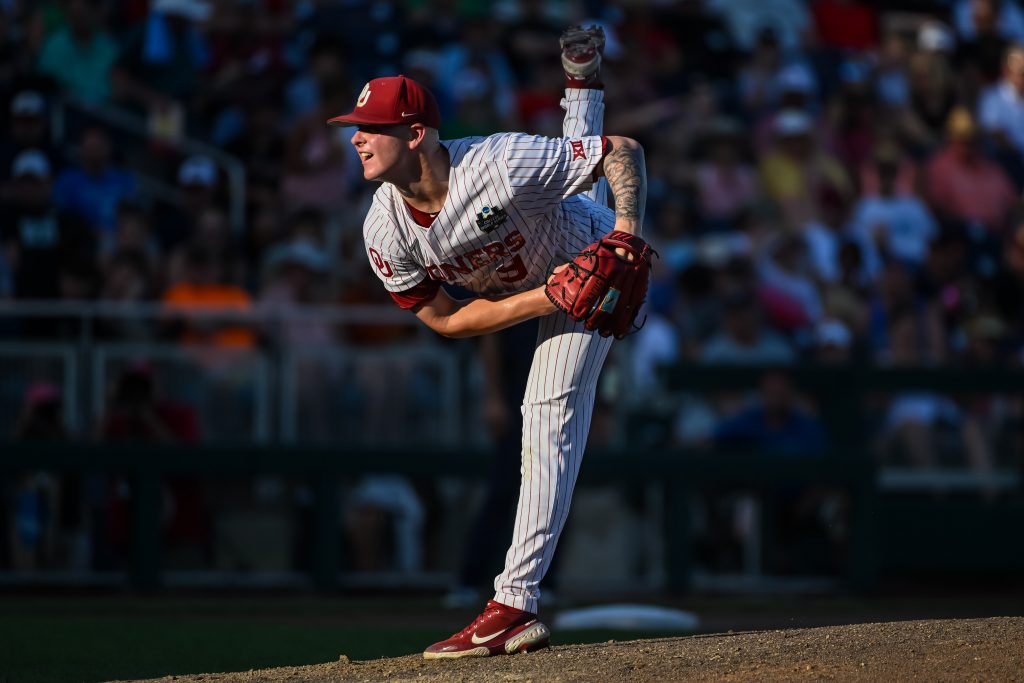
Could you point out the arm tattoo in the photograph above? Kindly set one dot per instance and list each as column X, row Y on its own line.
column 627, row 179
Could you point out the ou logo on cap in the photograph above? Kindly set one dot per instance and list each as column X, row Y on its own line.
column 364, row 95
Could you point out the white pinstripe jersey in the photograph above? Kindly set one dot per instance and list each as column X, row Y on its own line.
column 511, row 216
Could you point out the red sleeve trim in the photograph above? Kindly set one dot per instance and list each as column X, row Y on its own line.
column 422, row 293
column 582, row 83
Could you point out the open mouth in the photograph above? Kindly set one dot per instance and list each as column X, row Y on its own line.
column 365, row 156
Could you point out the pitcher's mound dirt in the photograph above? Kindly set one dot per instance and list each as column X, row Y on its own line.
column 939, row 650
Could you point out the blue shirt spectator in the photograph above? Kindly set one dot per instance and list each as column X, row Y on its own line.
column 775, row 425
column 94, row 188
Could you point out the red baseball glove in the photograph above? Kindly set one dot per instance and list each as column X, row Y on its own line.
column 601, row 288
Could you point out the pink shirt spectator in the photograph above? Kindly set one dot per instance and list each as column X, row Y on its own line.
column 973, row 189
column 723, row 191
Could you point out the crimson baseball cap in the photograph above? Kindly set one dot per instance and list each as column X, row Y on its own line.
column 393, row 99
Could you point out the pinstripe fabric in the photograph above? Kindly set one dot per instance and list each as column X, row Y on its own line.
column 559, row 400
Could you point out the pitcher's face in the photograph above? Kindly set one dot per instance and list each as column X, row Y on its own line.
column 381, row 149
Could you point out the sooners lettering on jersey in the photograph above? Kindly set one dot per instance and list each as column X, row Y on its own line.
column 510, row 269
column 511, row 215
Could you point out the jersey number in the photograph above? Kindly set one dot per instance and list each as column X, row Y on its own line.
column 513, row 271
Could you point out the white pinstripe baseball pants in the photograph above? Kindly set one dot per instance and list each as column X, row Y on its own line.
column 557, row 411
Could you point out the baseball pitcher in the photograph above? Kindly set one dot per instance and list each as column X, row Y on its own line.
column 521, row 221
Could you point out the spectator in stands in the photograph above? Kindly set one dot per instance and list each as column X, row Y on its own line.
column 726, row 184
column 127, row 279
column 824, row 241
column 853, row 114
column 932, row 86
column 29, row 129
column 247, row 66
column 657, row 343
column 891, row 73
column 778, row 425
column 924, row 428
column 133, row 233
column 789, row 20
column 212, row 234
column 788, row 292
column 325, row 64
column 1001, row 107
column 891, row 225
column 40, row 238
column 964, row 185
column 80, row 55
column 161, row 66
column 199, row 182
column 696, row 308
column 797, row 174
column 743, row 339
column 757, row 78
column 775, row 424
column 1003, row 18
column 377, row 505
column 264, row 229
column 793, row 87
column 894, row 299
column 294, row 277
column 475, row 77
column 42, row 415
column 205, row 288
column 137, row 414
column 261, row 147
column 32, row 536
column 530, row 41
column 94, row 187
column 986, row 28
column 319, row 160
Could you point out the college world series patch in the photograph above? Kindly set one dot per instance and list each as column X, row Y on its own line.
column 490, row 217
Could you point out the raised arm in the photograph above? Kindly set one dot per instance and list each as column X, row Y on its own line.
column 623, row 166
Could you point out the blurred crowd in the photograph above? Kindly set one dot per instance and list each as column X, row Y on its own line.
column 829, row 180
column 838, row 178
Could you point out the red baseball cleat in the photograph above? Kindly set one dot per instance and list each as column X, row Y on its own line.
column 581, row 54
column 500, row 630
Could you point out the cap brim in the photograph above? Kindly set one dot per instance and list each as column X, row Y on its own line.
column 354, row 119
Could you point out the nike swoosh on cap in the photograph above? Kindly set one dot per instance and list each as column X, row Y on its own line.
column 486, row 639
column 404, row 114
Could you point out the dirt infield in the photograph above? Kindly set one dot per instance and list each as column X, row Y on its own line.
column 936, row 650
